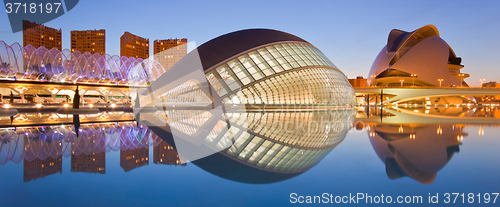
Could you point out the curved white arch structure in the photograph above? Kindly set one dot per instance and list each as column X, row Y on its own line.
column 44, row 65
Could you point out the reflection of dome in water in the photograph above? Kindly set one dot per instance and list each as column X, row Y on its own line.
column 421, row 52
column 270, row 150
column 418, row 152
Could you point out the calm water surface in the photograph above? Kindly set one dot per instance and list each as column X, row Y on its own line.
column 113, row 161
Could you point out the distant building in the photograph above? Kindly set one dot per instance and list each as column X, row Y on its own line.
column 166, row 154
column 492, row 84
column 359, row 82
column 93, row 163
column 489, row 99
column 134, row 46
column 93, row 41
column 41, row 168
column 39, row 35
column 134, row 158
column 169, row 51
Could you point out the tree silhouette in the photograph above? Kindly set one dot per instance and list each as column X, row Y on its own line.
column 76, row 99
column 11, row 99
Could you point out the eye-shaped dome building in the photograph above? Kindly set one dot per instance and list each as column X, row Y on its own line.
column 419, row 58
column 273, row 68
column 241, row 105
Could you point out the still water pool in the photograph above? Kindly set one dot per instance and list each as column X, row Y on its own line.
column 118, row 162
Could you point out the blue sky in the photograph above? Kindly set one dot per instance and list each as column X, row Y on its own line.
column 350, row 33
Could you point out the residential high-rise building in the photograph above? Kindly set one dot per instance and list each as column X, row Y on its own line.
column 93, row 163
column 134, row 46
column 39, row 35
column 93, row 41
column 134, row 158
column 169, row 51
column 166, row 154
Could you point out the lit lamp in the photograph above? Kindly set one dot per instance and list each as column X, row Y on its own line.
column 461, row 78
column 440, row 80
column 401, row 80
column 413, row 136
column 413, row 76
column 373, row 78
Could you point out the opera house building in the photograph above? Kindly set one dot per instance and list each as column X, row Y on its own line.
column 420, row 58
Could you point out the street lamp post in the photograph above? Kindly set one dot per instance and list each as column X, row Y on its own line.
column 372, row 79
column 461, row 79
column 481, row 82
column 369, row 83
column 413, row 76
column 401, row 80
column 440, row 80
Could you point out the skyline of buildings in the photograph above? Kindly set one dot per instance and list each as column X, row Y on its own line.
column 93, row 41
column 164, row 154
column 40, row 35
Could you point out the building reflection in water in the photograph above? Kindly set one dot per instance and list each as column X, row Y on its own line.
column 93, row 163
column 40, row 168
column 41, row 148
column 166, row 154
column 451, row 110
column 263, row 146
column 134, row 158
column 416, row 151
column 260, row 147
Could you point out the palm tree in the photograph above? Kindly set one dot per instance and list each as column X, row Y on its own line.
column 4, row 65
column 5, row 68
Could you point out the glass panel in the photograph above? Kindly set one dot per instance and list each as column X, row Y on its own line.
column 294, row 55
column 240, row 71
column 227, row 75
column 218, row 86
column 261, row 63
column 277, row 56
